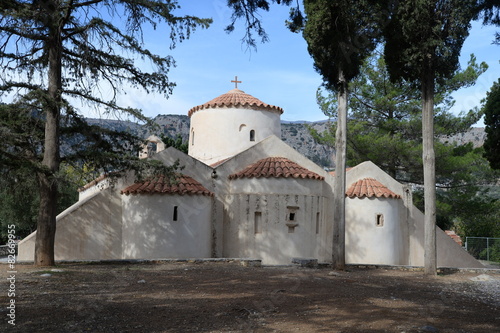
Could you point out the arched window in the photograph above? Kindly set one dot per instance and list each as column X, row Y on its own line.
column 252, row 135
column 192, row 137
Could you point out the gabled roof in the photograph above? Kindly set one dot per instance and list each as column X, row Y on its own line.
column 182, row 184
column 369, row 187
column 332, row 173
column 276, row 167
column 216, row 164
column 235, row 98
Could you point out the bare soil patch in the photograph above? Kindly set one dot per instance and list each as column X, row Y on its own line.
column 222, row 297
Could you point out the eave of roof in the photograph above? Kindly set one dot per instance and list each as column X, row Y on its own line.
column 181, row 185
column 238, row 99
column 276, row 167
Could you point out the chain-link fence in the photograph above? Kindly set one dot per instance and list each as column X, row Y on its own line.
column 483, row 248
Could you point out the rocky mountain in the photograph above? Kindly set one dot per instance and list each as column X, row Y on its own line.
column 295, row 134
column 298, row 136
column 476, row 135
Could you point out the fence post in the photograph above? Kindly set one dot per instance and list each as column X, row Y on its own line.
column 488, row 248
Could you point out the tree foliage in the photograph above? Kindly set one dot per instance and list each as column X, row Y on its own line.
column 20, row 199
column 489, row 11
column 248, row 12
column 492, row 122
column 176, row 142
column 386, row 116
column 423, row 42
column 340, row 35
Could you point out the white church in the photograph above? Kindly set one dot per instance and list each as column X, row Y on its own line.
column 244, row 193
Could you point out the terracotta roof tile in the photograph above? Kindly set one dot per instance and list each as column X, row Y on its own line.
column 164, row 185
column 454, row 236
column 276, row 167
column 235, row 98
column 369, row 187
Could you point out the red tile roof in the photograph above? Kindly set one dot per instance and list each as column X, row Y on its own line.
column 454, row 236
column 276, row 167
column 369, row 187
column 235, row 98
column 164, row 185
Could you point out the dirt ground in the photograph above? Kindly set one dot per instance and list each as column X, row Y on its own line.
column 224, row 297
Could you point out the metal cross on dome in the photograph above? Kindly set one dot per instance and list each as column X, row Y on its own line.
column 235, row 81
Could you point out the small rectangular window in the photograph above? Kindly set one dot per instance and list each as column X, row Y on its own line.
column 380, row 220
column 292, row 213
column 175, row 213
column 257, row 223
column 317, row 223
column 291, row 217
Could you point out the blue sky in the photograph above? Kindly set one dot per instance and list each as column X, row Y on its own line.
column 279, row 72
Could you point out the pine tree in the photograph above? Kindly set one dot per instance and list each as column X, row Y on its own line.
column 386, row 116
column 339, row 35
column 384, row 127
column 423, row 43
column 54, row 50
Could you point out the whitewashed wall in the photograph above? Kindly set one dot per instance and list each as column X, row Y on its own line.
column 367, row 243
column 449, row 253
column 149, row 231
column 223, row 132
column 88, row 230
column 268, row 236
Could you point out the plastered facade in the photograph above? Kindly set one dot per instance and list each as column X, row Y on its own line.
column 217, row 134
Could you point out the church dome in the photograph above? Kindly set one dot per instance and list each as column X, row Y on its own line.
column 236, row 98
column 230, row 124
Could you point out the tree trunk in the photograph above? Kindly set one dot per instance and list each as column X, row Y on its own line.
column 46, row 224
column 339, row 190
column 430, row 253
